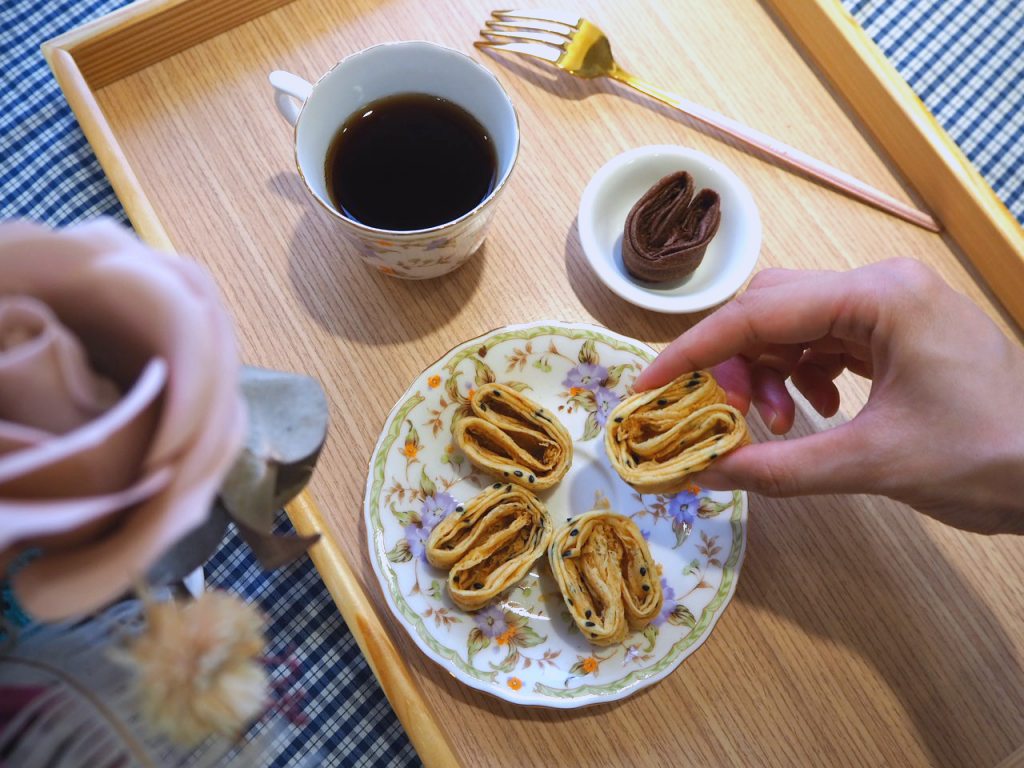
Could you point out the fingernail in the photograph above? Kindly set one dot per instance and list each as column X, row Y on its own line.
column 820, row 406
column 772, row 418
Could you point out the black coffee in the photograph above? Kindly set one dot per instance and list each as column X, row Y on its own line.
column 410, row 161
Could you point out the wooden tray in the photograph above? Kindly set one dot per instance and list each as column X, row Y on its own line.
column 860, row 632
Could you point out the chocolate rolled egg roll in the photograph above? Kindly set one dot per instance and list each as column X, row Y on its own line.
column 669, row 228
column 512, row 438
column 656, row 439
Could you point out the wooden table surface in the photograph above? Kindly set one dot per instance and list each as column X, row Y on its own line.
column 861, row 633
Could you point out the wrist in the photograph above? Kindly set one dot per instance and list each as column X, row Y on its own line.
column 1001, row 489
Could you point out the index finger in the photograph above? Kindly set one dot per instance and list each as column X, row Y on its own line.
column 797, row 312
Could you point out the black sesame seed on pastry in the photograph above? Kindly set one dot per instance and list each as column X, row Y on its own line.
column 607, row 577
column 656, row 439
column 490, row 544
column 514, row 439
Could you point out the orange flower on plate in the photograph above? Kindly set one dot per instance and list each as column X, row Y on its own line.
column 515, row 683
column 573, row 391
column 693, row 488
column 587, row 665
column 387, row 271
column 434, row 381
column 506, row 637
column 409, row 450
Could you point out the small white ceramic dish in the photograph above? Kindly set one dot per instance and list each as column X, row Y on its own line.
column 615, row 188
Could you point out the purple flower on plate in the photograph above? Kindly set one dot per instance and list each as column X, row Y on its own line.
column 682, row 507
column 632, row 654
column 668, row 606
column 606, row 400
column 586, row 376
column 436, row 508
column 491, row 621
column 417, row 536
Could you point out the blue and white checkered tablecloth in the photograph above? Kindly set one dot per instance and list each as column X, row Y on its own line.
column 964, row 58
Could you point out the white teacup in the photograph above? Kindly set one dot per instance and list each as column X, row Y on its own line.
column 386, row 70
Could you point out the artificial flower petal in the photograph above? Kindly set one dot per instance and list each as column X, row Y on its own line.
column 46, row 381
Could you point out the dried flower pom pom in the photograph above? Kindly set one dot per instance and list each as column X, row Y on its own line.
column 198, row 667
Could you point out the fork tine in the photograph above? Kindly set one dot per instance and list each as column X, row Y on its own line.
column 533, row 26
column 542, row 14
column 525, row 37
column 543, row 52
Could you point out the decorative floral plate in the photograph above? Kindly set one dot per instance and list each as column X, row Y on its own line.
column 524, row 647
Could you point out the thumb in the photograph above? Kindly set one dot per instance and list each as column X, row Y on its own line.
column 839, row 460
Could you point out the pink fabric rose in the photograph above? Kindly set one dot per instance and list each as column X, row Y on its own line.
column 120, row 411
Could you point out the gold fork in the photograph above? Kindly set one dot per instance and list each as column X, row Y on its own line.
column 580, row 48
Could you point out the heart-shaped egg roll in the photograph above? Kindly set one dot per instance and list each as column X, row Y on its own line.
column 489, row 543
column 607, row 577
column 656, row 439
column 512, row 438
column 669, row 229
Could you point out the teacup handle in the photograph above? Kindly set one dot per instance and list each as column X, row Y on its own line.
column 288, row 89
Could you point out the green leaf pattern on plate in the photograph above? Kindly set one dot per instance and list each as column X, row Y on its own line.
column 523, row 647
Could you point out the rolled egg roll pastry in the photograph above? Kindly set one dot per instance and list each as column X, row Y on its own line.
column 514, row 439
column 656, row 439
column 669, row 229
column 490, row 543
column 608, row 579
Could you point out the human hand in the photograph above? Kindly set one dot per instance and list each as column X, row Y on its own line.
column 943, row 427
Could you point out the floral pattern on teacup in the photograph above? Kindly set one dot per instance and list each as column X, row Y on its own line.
column 421, row 255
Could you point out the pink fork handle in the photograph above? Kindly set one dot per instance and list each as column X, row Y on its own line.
column 787, row 155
